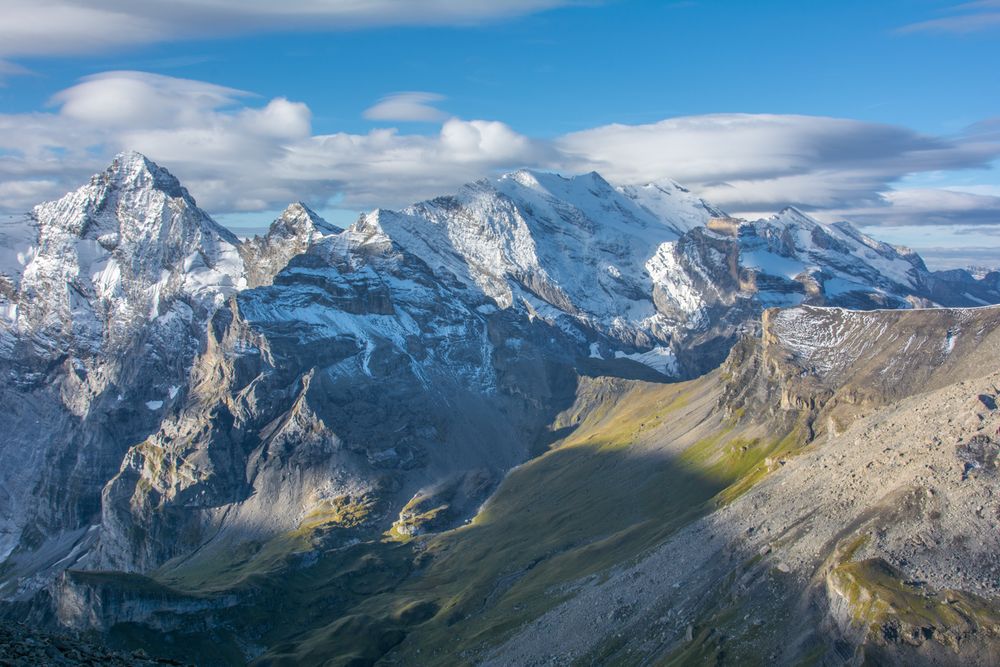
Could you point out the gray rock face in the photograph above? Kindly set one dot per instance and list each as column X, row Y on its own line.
column 848, row 361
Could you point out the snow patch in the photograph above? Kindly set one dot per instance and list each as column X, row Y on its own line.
column 660, row 359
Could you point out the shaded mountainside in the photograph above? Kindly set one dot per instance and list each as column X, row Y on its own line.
column 413, row 439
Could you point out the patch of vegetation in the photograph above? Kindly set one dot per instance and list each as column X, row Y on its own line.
column 738, row 463
column 340, row 512
column 414, row 521
column 880, row 597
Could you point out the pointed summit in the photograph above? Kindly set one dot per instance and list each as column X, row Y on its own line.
column 289, row 235
column 130, row 242
column 791, row 214
column 131, row 169
column 133, row 197
column 298, row 220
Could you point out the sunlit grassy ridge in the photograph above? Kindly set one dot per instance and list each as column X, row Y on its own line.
column 243, row 561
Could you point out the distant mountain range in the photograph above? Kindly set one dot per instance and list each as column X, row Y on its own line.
column 194, row 425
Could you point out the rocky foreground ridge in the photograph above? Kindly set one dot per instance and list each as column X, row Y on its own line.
column 188, row 416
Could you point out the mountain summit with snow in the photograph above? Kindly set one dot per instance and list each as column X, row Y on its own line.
column 106, row 259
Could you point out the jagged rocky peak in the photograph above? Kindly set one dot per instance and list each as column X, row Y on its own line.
column 129, row 197
column 290, row 235
column 134, row 170
column 300, row 221
column 134, row 197
column 116, row 253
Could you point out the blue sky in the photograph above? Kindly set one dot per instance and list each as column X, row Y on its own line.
column 887, row 113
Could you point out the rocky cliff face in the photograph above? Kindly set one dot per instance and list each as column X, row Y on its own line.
column 355, row 379
column 827, row 365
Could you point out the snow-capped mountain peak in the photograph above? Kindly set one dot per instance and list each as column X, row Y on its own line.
column 300, row 220
column 291, row 234
column 115, row 253
column 130, row 169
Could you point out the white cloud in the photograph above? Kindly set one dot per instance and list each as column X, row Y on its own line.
column 138, row 99
column 407, row 107
column 957, row 24
column 389, row 169
column 66, row 27
column 235, row 157
column 236, row 152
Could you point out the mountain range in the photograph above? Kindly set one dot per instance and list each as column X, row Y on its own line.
column 541, row 420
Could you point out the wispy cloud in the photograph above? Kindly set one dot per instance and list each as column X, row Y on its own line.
column 8, row 69
column 966, row 18
column 67, row 27
column 407, row 107
column 943, row 257
column 926, row 206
